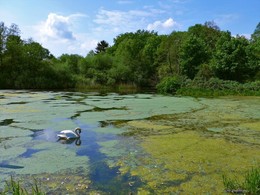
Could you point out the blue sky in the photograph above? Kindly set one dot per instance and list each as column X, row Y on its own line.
column 76, row 26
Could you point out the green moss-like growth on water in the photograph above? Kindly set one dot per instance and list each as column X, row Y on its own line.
column 188, row 162
column 173, row 144
column 189, row 152
column 193, row 160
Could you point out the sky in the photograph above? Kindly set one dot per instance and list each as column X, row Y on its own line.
column 76, row 26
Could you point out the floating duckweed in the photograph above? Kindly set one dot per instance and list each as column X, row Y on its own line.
column 189, row 152
column 109, row 148
column 251, row 125
column 188, row 159
column 180, row 145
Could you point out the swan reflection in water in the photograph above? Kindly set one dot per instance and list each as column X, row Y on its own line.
column 70, row 141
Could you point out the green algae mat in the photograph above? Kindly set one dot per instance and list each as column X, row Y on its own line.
column 135, row 143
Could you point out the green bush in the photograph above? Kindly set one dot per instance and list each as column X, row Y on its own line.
column 170, row 85
column 217, row 87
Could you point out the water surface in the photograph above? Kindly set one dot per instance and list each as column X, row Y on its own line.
column 129, row 143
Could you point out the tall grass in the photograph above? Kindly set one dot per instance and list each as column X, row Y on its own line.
column 250, row 184
column 15, row 188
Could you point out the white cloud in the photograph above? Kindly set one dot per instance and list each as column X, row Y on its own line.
column 58, row 34
column 65, row 34
column 115, row 21
column 169, row 23
column 163, row 26
column 113, row 18
column 123, row 19
column 58, row 27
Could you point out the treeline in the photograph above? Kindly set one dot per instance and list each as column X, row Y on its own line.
column 140, row 59
column 25, row 64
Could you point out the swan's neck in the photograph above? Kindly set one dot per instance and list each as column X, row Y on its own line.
column 77, row 131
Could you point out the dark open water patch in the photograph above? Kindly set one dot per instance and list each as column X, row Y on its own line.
column 29, row 152
column 109, row 180
column 104, row 178
column 96, row 109
column 6, row 122
column 6, row 165
column 21, row 102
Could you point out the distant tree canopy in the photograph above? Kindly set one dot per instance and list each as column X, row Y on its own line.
column 102, row 46
column 256, row 33
column 142, row 58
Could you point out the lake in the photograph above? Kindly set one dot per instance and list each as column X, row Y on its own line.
column 130, row 143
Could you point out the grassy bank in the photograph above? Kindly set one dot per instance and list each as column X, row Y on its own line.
column 207, row 88
column 14, row 187
column 249, row 185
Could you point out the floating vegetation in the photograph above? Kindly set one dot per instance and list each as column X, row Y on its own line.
column 6, row 122
column 189, row 162
column 188, row 152
column 137, row 143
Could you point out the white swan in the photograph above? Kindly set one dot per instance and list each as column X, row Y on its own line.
column 70, row 134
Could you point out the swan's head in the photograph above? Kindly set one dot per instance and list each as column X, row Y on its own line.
column 78, row 130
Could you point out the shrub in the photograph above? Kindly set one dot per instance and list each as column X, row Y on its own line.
column 217, row 87
column 170, row 85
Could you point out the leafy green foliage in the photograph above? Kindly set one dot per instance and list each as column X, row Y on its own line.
column 26, row 64
column 14, row 187
column 230, row 59
column 250, row 185
column 139, row 59
column 102, row 46
column 134, row 55
column 193, row 54
column 168, row 54
column 256, row 33
column 217, row 87
column 170, row 85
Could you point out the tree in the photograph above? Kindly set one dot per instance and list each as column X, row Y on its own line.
column 36, row 52
column 230, row 59
column 128, row 51
column 101, row 64
column 14, row 54
column 101, row 46
column 3, row 36
column 198, row 49
column 71, row 61
column 256, row 33
column 212, row 25
column 148, row 56
column 168, row 54
column 253, row 55
column 209, row 33
column 194, row 53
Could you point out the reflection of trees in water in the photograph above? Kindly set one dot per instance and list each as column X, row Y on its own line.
column 102, row 176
